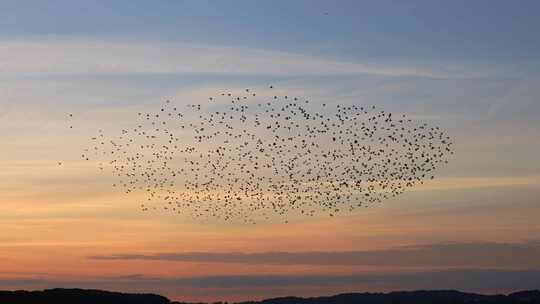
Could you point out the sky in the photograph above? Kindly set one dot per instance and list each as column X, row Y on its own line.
column 471, row 67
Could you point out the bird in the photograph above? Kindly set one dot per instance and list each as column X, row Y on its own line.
column 267, row 156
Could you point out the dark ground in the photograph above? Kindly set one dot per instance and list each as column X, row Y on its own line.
column 82, row 296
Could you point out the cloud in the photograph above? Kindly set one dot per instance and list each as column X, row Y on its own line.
column 464, row 279
column 65, row 57
column 449, row 183
column 478, row 255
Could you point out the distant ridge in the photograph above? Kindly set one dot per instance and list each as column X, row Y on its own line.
column 412, row 297
column 78, row 296
column 91, row 296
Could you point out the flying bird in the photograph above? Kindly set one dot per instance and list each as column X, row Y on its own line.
column 267, row 156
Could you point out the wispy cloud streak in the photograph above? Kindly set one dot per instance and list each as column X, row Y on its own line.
column 464, row 279
column 57, row 57
column 518, row 255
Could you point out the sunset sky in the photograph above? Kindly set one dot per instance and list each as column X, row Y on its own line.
column 470, row 67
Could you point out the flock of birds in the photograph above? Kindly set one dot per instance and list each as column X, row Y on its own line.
column 253, row 157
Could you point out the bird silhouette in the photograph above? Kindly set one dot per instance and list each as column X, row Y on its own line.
column 249, row 156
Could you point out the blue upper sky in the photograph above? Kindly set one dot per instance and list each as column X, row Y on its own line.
column 460, row 29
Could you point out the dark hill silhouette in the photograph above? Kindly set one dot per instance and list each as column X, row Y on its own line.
column 78, row 296
column 412, row 297
column 85, row 296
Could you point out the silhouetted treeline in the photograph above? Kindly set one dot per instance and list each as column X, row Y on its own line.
column 82, row 296
column 412, row 297
column 78, row 296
